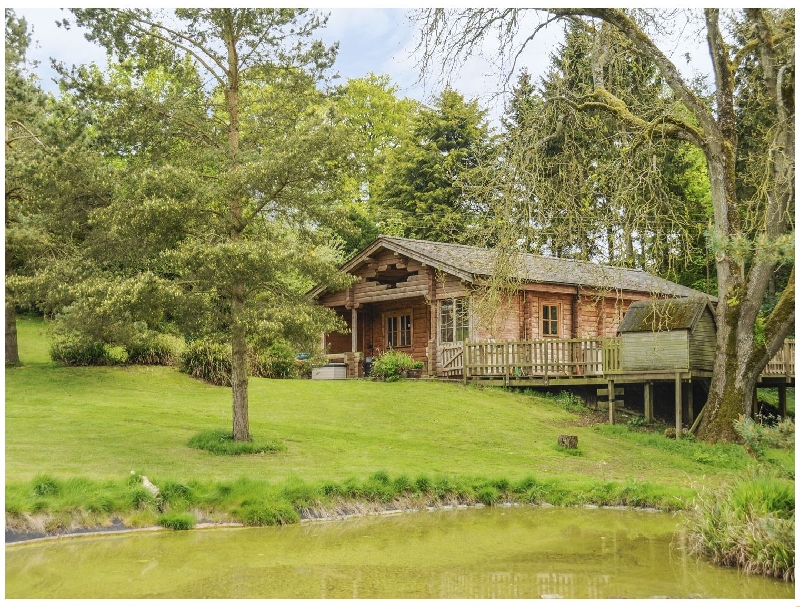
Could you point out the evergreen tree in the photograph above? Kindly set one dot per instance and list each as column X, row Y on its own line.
column 422, row 192
column 223, row 146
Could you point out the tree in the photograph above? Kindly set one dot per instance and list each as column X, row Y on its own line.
column 580, row 169
column 422, row 188
column 376, row 121
column 750, row 234
column 224, row 144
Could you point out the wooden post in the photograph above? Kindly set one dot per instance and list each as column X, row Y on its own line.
column 465, row 359
column 648, row 401
column 611, row 405
column 678, row 406
column 354, row 331
column 506, row 362
column 544, row 348
column 782, row 400
column 690, row 403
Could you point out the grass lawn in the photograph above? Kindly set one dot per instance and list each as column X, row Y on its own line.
column 102, row 423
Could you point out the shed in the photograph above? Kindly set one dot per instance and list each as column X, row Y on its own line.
column 668, row 334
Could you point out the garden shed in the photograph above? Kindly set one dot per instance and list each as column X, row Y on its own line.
column 671, row 334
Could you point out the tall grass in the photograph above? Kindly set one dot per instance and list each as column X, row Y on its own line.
column 749, row 525
column 63, row 504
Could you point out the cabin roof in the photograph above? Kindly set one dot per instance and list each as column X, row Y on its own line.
column 664, row 315
column 470, row 263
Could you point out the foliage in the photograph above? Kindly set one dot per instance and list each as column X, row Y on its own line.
column 178, row 521
column 210, row 361
column 77, row 350
column 210, row 217
column 749, row 524
column 422, row 192
column 207, row 360
column 220, row 442
column 151, row 348
column 757, row 437
column 391, row 365
column 637, row 101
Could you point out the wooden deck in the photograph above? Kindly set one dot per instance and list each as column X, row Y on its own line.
column 543, row 362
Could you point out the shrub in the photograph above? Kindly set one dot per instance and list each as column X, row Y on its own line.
column 281, row 359
column 78, row 351
column 207, row 360
column 210, row 361
column 178, row 521
column 151, row 349
column 752, row 434
column 220, row 442
column 391, row 365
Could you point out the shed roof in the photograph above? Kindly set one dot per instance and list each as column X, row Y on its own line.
column 470, row 263
column 664, row 315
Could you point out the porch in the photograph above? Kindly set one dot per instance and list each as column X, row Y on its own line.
column 546, row 361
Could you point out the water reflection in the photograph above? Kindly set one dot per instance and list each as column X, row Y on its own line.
column 491, row 553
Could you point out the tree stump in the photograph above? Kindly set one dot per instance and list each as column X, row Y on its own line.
column 567, row 441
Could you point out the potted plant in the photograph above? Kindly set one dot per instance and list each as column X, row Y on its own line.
column 415, row 370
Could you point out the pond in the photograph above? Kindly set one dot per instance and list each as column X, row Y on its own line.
column 484, row 553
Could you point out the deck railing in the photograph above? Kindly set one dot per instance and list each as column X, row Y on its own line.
column 544, row 358
column 783, row 361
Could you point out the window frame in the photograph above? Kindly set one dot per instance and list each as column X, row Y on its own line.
column 400, row 333
column 460, row 321
column 549, row 307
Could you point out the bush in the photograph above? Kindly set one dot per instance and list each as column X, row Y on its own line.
column 220, row 442
column 207, row 360
column 78, row 351
column 281, row 360
column 151, row 349
column 391, row 365
column 178, row 521
column 210, row 361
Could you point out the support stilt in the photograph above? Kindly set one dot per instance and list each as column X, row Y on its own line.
column 678, row 406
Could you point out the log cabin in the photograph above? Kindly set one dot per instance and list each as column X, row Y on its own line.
column 425, row 298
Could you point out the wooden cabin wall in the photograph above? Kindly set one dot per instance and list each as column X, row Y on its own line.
column 337, row 343
column 702, row 343
column 534, row 301
column 505, row 326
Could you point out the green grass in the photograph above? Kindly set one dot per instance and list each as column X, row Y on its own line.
column 99, row 424
column 220, row 442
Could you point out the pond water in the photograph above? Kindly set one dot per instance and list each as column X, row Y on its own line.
column 485, row 553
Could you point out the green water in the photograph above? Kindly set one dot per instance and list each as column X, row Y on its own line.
column 488, row 553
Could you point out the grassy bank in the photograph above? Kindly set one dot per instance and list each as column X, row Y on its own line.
column 75, row 435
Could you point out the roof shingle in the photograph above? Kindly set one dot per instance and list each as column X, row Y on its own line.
column 470, row 262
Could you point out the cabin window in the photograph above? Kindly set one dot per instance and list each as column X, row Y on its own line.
column 454, row 320
column 550, row 321
column 398, row 330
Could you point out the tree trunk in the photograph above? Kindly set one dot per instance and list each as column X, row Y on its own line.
column 12, row 348
column 241, row 422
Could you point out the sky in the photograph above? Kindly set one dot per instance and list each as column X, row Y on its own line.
column 370, row 40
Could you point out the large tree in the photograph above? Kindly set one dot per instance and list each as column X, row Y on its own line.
column 572, row 173
column 421, row 191
column 224, row 144
column 751, row 232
